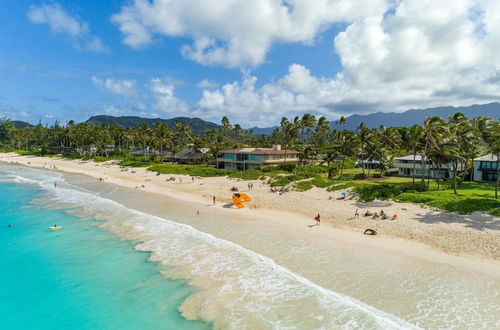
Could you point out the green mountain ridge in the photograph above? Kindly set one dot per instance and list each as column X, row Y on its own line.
column 197, row 125
column 20, row 124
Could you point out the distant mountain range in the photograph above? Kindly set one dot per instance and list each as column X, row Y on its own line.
column 407, row 118
column 197, row 125
column 417, row 116
column 373, row 120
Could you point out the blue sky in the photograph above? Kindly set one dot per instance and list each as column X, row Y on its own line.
column 266, row 59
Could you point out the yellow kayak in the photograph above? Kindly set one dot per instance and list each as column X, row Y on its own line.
column 55, row 228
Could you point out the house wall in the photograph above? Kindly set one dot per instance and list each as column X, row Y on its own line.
column 479, row 170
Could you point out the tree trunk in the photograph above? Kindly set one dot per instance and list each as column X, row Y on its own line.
column 455, row 177
column 498, row 175
column 414, row 166
column 422, row 165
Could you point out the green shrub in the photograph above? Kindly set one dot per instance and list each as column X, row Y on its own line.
column 287, row 167
column 193, row 170
column 359, row 176
column 303, row 185
column 350, row 162
column 321, row 182
column 370, row 192
column 495, row 211
column 346, row 177
column 268, row 169
column 247, row 175
column 135, row 163
column 283, row 180
column 311, row 170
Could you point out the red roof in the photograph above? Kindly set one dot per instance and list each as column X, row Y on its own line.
column 258, row 152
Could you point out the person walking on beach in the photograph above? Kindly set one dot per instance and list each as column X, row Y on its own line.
column 213, row 199
column 356, row 214
column 318, row 220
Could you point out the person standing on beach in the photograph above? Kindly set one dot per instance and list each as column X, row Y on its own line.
column 318, row 220
column 213, row 199
column 356, row 214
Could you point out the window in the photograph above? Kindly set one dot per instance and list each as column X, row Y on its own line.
column 489, row 176
column 255, row 157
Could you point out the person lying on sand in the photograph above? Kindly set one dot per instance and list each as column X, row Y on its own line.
column 368, row 213
column 375, row 215
column 394, row 217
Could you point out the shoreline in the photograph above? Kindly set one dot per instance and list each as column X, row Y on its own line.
column 292, row 220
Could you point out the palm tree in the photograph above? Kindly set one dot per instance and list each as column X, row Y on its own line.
column 163, row 136
column 363, row 136
column 341, row 121
column 414, row 143
column 226, row 125
column 490, row 131
column 435, row 132
column 347, row 144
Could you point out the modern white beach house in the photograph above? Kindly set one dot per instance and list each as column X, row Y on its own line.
column 250, row 158
column 405, row 165
column 485, row 168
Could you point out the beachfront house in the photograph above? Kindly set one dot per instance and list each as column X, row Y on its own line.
column 188, row 156
column 250, row 158
column 368, row 164
column 407, row 164
column 485, row 168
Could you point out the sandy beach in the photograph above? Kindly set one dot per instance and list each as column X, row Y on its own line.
column 472, row 241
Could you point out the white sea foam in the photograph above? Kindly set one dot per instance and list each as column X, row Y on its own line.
column 239, row 288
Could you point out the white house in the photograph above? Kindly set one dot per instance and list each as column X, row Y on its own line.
column 485, row 168
column 405, row 166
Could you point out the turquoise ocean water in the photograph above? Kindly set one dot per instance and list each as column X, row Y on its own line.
column 82, row 277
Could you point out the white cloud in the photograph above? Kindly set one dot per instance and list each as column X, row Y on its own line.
column 205, row 83
column 120, row 87
column 61, row 22
column 422, row 54
column 236, row 33
column 166, row 101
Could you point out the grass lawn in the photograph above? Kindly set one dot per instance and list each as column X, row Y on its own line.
column 471, row 196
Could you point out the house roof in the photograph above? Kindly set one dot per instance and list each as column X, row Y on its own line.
column 486, row 158
column 409, row 157
column 258, row 151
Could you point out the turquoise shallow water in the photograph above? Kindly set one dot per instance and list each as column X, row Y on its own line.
column 82, row 277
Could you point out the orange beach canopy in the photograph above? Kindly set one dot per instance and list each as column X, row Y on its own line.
column 239, row 198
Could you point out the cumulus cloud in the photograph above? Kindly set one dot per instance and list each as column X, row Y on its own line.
column 205, row 83
column 120, row 87
column 236, row 33
column 61, row 22
column 422, row 53
column 166, row 101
